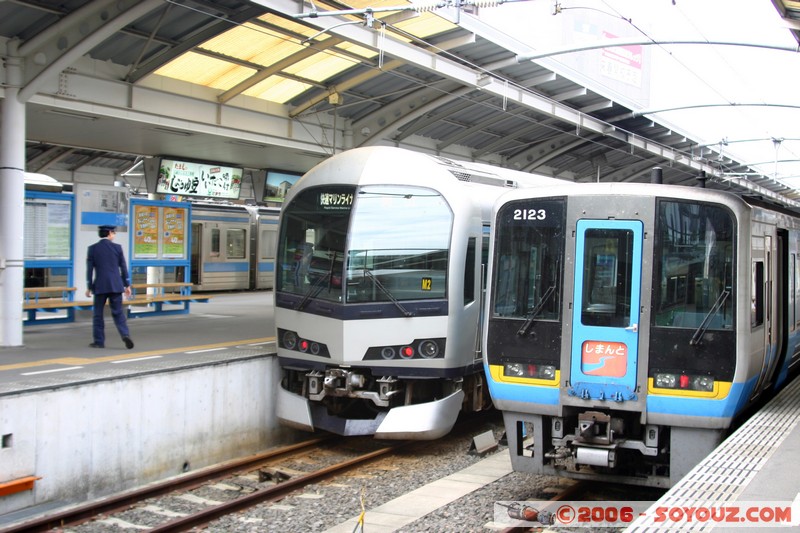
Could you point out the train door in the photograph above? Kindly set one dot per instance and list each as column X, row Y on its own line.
column 482, row 262
column 197, row 245
column 773, row 290
column 605, row 319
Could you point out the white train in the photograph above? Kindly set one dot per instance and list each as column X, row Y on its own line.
column 378, row 294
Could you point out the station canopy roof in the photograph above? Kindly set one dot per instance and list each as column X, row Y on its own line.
column 430, row 77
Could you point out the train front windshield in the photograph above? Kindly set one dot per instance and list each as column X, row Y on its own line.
column 529, row 257
column 693, row 280
column 388, row 243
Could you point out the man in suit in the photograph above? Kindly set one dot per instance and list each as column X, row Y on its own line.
column 107, row 278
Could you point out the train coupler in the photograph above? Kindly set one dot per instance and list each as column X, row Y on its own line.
column 342, row 383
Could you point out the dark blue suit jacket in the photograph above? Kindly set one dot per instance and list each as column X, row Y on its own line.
column 106, row 269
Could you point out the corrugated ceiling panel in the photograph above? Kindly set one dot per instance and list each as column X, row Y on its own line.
column 277, row 89
column 249, row 42
column 426, row 25
column 320, row 67
column 357, row 50
column 204, row 70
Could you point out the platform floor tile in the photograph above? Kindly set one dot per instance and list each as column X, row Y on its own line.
column 407, row 508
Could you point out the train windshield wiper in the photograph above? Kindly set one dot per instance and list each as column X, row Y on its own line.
column 701, row 329
column 368, row 273
column 536, row 310
column 318, row 285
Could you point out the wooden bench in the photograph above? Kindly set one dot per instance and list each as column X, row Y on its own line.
column 156, row 295
column 52, row 300
column 152, row 296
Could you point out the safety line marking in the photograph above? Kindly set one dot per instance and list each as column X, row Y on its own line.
column 204, row 351
column 137, row 359
column 51, row 371
column 112, row 358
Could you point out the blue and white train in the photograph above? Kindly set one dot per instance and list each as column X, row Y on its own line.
column 378, row 295
column 233, row 246
column 628, row 325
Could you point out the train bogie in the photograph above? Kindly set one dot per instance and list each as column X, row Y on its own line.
column 628, row 325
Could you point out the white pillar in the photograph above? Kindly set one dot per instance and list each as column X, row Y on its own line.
column 12, row 204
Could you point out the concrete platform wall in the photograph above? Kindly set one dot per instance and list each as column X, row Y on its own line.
column 95, row 439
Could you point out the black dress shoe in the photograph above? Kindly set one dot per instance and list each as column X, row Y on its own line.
column 95, row 345
column 128, row 342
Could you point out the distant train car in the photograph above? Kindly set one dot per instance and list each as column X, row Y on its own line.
column 233, row 247
column 378, row 292
column 629, row 324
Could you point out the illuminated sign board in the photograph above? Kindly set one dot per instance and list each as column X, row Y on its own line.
column 335, row 200
column 186, row 178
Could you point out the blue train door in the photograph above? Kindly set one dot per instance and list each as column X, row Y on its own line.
column 605, row 317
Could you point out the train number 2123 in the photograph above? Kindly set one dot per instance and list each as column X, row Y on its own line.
column 530, row 214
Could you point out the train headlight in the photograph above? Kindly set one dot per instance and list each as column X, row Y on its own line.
column 703, row 383
column 290, row 340
column 547, row 372
column 515, row 370
column 411, row 350
column 303, row 346
column 666, row 381
column 684, row 382
column 428, row 349
column 525, row 370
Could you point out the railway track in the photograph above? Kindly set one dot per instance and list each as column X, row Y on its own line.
column 321, row 484
column 248, row 482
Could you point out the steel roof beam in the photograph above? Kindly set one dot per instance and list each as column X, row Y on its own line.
column 472, row 77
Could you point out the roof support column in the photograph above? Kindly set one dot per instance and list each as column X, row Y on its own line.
column 12, row 203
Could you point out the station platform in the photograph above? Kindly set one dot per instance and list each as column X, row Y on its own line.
column 229, row 325
column 752, row 475
column 196, row 389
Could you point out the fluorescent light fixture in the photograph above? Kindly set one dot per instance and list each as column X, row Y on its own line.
column 174, row 132
column 248, row 143
column 71, row 114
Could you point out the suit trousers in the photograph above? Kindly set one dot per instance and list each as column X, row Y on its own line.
column 117, row 313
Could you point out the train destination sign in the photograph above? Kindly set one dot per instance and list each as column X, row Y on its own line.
column 335, row 200
column 198, row 179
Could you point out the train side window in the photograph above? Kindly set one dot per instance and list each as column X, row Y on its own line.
column 215, row 240
column 757, row 295
column 796, row 293
column 792, row 292
column 469, row 272
column 269, row 242
column 236, row 243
